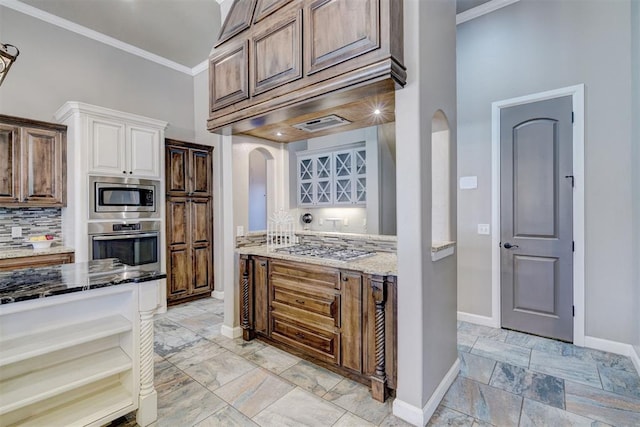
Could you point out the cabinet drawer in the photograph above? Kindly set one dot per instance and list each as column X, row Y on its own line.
column 315, row 342
column 320, row 277
column 306, row 298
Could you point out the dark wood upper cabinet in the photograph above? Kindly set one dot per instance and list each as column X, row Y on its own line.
column 310, row 55
column 339, row 30
column 188, row 169
column 277, row 54
column 228, row 76
column 32, row 163
column 238, row 19
column 267, row 7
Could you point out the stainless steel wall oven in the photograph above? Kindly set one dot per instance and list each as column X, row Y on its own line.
column 134, row 243
column 122, row 198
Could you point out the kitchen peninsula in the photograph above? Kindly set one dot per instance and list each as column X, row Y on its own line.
column 76, row 343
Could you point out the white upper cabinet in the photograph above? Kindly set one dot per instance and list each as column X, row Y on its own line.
column 332, row 179
column 119, row 148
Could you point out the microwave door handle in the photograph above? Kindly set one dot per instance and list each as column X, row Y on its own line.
column 125, row 236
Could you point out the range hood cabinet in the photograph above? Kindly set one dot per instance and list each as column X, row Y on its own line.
column 311, row 59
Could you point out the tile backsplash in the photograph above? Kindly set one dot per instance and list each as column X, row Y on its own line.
column 34, row 221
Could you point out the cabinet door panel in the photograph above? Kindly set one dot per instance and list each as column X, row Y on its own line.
column 9, row 164
column 179, row 272
column 266, row 8
column 201, row 173
column 201, row 269
column 351, row 313
column 318, row 343
column 143, row 152
column 177, row 223
column 238, row 19
column 229, row 76
column 277, row 55
column 261, row 295
column 176, row 173
column 200, row 222
column 354, row 30
column 107, row 147
column 42, row 178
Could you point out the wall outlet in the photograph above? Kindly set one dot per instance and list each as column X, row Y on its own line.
column 16, row 231
column 239, row 231
column 483, row 229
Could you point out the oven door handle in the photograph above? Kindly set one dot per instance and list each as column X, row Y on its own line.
column 125, row 236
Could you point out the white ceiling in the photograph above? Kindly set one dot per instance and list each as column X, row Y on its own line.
column 182, row 31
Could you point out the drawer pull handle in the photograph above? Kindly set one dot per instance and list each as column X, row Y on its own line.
column 299, row 334
column 299, row 301
column 263, row 264
column 345, row 279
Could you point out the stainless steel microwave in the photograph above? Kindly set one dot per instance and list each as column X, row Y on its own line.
column 123, row 198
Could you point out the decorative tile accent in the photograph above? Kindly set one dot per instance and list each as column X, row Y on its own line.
column 537, row 414
column 483, row 402
column 219, row 370
column 567, row 367
column 543, row 388
column 227, row 417
column 444, row 416
column 502, row 352
column 254, row 391
column 299, row 408
column 602, row 405
column 273, row 359
column 34, row 221
column 356, row 398
column 311, row 377
column 620, row 381
column 477, row 368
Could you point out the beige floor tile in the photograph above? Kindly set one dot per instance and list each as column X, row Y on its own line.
column 299, row 408
column 219, row 370
column 356, row 398
column 196, row 354
column 187, row 405
column 273, row 359
column 254, row 391
column 238, row 345
column 227, row 417
column 312, row 377
column 350, row 420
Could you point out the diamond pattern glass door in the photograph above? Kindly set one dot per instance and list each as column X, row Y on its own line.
column 361, row 162
column 361, row 190
column 306, row 169
column 306, row 193
column 343, row 190
column 323, row 167
column 343, row 164
column 323, row 195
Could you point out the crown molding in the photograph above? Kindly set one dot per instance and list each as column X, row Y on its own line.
column 483, row 9
column 95, row 35
column 203, row 66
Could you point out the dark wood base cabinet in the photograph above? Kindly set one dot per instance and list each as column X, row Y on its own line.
column 341, row 319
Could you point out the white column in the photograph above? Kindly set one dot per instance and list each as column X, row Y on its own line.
column 147, row 397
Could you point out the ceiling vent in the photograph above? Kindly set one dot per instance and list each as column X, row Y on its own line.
column 322, row 123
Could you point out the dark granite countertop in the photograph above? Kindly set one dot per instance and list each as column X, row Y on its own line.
column 32, row 283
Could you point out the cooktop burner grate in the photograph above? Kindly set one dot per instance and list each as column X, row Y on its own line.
column 326, row 252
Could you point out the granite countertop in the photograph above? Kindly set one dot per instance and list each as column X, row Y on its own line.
column 29, row 251
column 382, row 263
column 42, row 282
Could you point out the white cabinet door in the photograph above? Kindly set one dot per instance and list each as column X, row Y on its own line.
column 143, row 152
column 323, row 194
column 350, row 180
column 360, row 176
column 107, row 147
column 305, row 181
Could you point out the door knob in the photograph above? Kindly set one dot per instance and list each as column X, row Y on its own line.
column 510, row 246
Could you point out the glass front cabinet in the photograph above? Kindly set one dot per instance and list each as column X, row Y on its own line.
column 333, row 179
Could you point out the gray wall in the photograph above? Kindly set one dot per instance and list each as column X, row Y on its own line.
column 635, row 58
column 534, row 46
column 56, row 65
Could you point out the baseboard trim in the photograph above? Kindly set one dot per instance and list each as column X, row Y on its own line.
column 478, row 320
column 217, row 294
column 420, row 417
column 230, row 332
column 614, row 347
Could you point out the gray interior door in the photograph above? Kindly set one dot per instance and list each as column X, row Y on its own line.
column 536, row 230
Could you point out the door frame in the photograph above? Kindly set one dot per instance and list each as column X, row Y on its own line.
column 577, row 94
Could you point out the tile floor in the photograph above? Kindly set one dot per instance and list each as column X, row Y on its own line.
column 507, row 379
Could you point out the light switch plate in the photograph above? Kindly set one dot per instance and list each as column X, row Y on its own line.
column 484, row 229
column 468, row 182
column 239, row 231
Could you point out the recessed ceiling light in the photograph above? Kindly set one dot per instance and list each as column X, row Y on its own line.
column 376, row 111
column 278, row 133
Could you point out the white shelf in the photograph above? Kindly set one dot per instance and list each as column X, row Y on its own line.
column 85, row 410
column 39, row 385
column 43, row 342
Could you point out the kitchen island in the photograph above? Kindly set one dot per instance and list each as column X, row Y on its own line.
column 339, row 314
column 76, row 344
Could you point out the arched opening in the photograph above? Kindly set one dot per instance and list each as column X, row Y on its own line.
column 258, row 190
column 440, row 178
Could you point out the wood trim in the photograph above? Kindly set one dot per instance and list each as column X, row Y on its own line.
column 35, row 261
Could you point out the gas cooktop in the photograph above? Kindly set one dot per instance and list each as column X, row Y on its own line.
column 326, row 252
